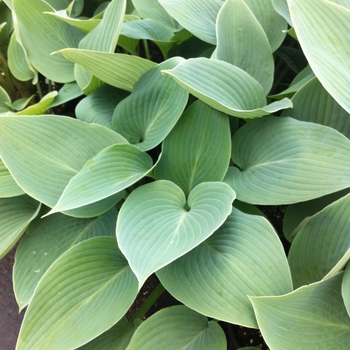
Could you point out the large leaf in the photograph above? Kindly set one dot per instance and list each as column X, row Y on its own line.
column 284, row 161
column 15, row 215
column 314, row 104
column 156, row 225
column 243, row 257
column 320, row 243
column 231, row 90
column 34, row 149
column 197, row 149
column 196, row 16
column 178, row 328
column 8, row 186
column 311, row 317
column 119, row 70
column 156, row 103
column 320, row 26
column 46, row 240
column 85, row 292
column 242, row 42
column 41, row 35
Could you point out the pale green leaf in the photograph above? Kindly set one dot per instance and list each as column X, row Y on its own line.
column 243, row 257
column 119, row 70
column 242, row 42
column 311, row 317
column 99, row 106
column 284, row 161
column 339, row 266
column 66, row 93
column 156, row 103
column 15, row 215
column 4, row 101
column 320, row 26
column 21, row 103
column 231, row 90
column 321, row 243
column 8, row 186
column 110, row 171
column 41, row 107
column 313, row 103
column 46, row 240
column 34, row 149
column 75, row 302
column 156, row 225
column 197, row 16
column 281, row 7
column 41, row 35
column 178, row 328
column 197, row 149
column 345, row 288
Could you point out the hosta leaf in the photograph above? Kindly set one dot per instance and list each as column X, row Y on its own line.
column 99, row 106
column 178, row 328
column 281, row 7
column 156, row 225
column 345, row 288
column 15, row 215
column 119, row 70
column 4, row 100
column 196, row 16
column 197, row 149
column 232, row 90
column 320, row 243
column 41, row 107
column 312, row 316
column 34, row 149
column 320, row 26
column 46, row 240
column 290, row 161
column 41, row 35
column 91, row 295
column 271, row 21
column 67, row 92
column 242, row 42
column 243, row 257
column 146, row 116
column 110, row 171
column 313, row 103
column 8, row 186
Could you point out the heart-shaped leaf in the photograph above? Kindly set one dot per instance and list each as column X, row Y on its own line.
column 216, row 277
column 178, row 328
column 90, row 285
column 46, row 240
column 156, row 225
column 284, row 161
column 231, row 90
column 312, row 315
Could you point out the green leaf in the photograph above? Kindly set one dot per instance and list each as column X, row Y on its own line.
column 46, row 240
column 34, row 149
column 345, row 289
column 313, row 103
column 197, row 16
column 232, row 90
column 110, row 171
column 146, row 116
column 178, row 328
column 320, row 26
column 156, row 225
column 289, row 161
column 41, row 35
column 243, row 257
column 119, row 70
column 197, row 149
column 312, row 315
column 4, row 100
column 99, row 106
column 242, row 42
column 8, row 186
column 281, row 7
column 67, row 92
column 320, row 243
column 15, row 215
column 41, row 107
column 94, row 294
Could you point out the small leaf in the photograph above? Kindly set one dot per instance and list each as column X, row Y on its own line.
column 154, row 227
column 178, row 328
column 281, row 7
column 243, row 257
column 95, row 294
column 67, row 92
column 42, row 106
column 312, row 315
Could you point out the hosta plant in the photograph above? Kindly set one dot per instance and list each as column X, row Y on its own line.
column 187, row 116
